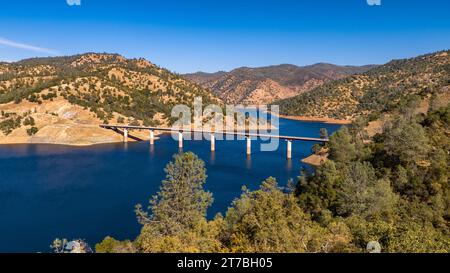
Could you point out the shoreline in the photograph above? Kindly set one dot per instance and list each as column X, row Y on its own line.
column 317, row 119
column 79, row 145
column 314, row 160
column 314, row 119
column 140, row 137
column 297, row 118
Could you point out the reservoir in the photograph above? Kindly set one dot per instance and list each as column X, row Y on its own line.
column 53, row 191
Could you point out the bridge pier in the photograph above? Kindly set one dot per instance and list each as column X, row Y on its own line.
column 125, row 135
column 180, row 140
column 213, row 143
column 152, row 137
column 289, row 149
column 248, row 136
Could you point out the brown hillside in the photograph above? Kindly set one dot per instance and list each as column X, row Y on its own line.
column 253, row 86
column 381, row 90
column 64, row 99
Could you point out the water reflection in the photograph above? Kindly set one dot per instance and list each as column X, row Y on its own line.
column 248, row 162
column 152, row 151
column 289, row 165
column 212, row 158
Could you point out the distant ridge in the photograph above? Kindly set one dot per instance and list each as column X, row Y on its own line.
column 264, row 85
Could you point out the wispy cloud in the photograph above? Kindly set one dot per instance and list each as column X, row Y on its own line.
column 15, row 44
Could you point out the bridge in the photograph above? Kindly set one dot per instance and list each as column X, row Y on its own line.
column 181, row 131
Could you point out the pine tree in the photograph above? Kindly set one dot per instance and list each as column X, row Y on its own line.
column 342, row 149
column 181, row 201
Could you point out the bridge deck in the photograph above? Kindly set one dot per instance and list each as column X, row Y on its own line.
column 236, row 133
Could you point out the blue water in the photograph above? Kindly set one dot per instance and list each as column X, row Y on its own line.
column 52, row 191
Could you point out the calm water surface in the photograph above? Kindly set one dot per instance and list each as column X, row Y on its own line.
column 50, row 191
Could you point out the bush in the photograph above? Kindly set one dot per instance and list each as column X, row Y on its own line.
column 9, row 125
column 29, row 121
column 32, row 131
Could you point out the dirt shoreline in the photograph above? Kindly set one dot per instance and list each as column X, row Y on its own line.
column 82, row 144
column 316, row 119
column 315, row 160
column 87, row 141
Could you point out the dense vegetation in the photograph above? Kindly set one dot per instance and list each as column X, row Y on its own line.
column 379, row 90
column 106, row 84
column 394, row 190
column 389, row 191
column 260, row 221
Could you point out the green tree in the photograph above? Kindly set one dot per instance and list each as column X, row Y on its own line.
column 178, row 212
column 362, row 194
column 318, row 192
column 181, row 200
column 406, row 140
column 411, row 237
column 342, row 149
column 29, row 121
column 32, row 131
column 111, row 245
column 268, row 220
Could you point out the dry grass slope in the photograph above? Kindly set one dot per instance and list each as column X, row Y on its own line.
column 64, row 99
column 254, row 86
column 380, row 90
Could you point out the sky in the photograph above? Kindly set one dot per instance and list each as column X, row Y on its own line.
column 199, row 35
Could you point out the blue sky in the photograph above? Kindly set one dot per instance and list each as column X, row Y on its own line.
column 188, row 36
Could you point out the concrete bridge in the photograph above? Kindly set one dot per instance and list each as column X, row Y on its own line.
column 247, row 135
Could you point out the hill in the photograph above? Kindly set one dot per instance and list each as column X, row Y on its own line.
column 64, row 99
column 252, row 86
column 379, row 90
